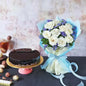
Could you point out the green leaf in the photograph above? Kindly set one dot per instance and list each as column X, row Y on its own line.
column 71, row 44
column 41, row 31
column 46, row 41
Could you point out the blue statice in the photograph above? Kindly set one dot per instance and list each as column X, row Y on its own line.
column 55, row 47
column 44, row 29
column 41, row 37
column 74, row 32
column 63, row 34
column 59, row 24
column 63, row 22
column 49, row 20
column 45, row 46
column 67, row 45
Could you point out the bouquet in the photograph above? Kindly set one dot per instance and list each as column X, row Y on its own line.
column 57, row 37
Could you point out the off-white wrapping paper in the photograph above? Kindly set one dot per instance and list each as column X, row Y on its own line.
column 57, row 67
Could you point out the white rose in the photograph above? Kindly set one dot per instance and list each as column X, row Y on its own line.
column 56, row 22
column 68, row 25
column 53, row 40
column 62, row 28
column 46, row 34
column 55, row 32
column 61, row 42
column 68, row 28
column 68, row 31
column 69, row 39
column 49, row 25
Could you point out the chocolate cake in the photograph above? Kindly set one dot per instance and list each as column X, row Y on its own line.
column 24, row 56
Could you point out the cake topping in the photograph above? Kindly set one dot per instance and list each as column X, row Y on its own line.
column 24, row 54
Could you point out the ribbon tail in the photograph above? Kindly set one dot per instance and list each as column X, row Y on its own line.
column 73, row 72
column 59, row 77
column 81, row 84
column 61, row 80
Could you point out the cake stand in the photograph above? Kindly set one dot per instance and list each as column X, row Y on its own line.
column 25, row 69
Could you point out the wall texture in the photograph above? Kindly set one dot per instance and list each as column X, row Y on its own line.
column 19, row 18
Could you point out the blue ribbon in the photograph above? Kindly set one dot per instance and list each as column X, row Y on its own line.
column 73, row 72
column 81, row 84
column 59, row 77
column 78, row 76
column 46, row 63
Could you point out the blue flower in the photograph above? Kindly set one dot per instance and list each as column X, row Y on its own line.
column 41, row 37
column 49, row 20
column 44, row 29
column 49, row 29
column 63, row 34
column 67, row 45
column 74, row 27
column 74, row 36
column 63, row 22
column 59, row 24
column 74, row 32
column 45, row 46
column 55, row 46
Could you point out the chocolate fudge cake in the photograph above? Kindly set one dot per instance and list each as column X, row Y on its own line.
column 24, row 57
